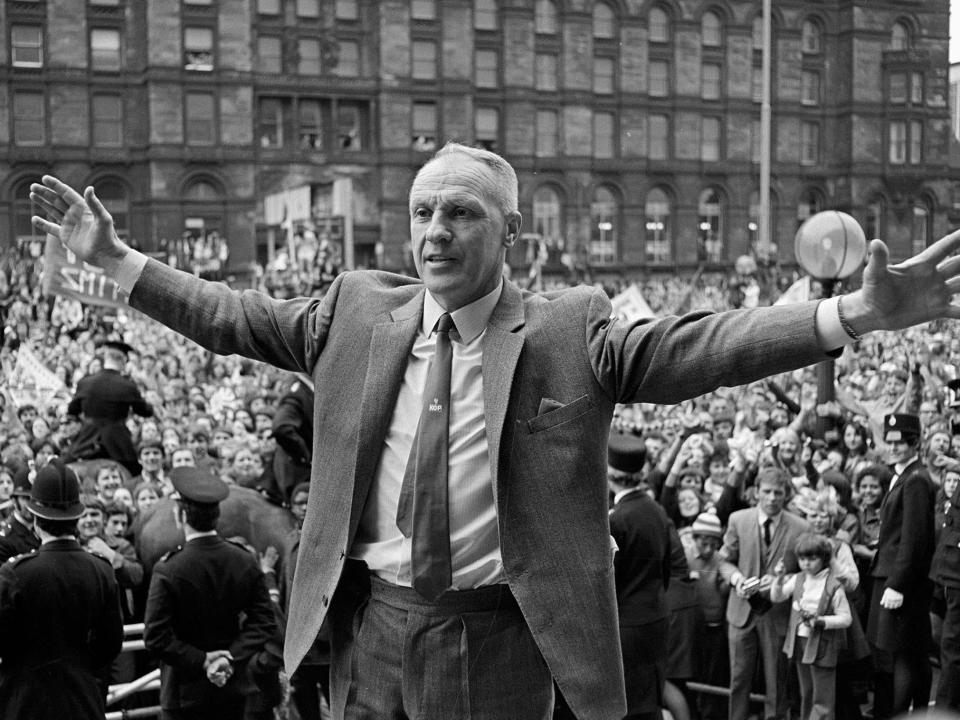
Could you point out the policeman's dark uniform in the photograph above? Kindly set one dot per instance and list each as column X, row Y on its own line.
column 207, row 595
column 293, row 431
column 106, row 399
column 16, row 537
column 60, row 623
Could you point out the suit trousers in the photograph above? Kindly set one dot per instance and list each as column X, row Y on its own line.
column 948, row 686
column 466, row 656
column 759, row 640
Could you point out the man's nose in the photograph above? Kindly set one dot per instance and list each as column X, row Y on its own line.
column 437, row 231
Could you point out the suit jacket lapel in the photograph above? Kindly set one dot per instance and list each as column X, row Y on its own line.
column 390, row 345
column 501, row 351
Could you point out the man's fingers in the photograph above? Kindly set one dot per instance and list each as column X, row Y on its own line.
column 950, row 267
column 878, row 256
column 941, row 249
column 69, row 195
column 93, row 202
column 45, row 225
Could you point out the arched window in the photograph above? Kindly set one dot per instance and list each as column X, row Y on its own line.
column 485, row 14
column 812, row 37
column 711, row 32
column 201, row 190
column 604, row 222
column 659, row 25
column 546, row 215
column 604, row 21
column 900, row 37
column 753, row 225
column 658, row 228
column 113, row 195
column 545, row 17
column 920, row 232
column 758, row 32
column 811, row 202
column 710, row 227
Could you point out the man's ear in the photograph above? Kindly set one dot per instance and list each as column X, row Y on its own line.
column 513, row 222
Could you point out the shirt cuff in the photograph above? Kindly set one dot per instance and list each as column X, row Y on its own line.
column 130, row 269
column 830, row 332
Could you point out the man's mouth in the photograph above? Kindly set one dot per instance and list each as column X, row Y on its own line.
column 439, row 259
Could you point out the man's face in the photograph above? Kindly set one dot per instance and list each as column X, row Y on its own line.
column 298, row 506
column 116, row 525
column 182, row 458
column 707, row 545
column 151, row 458
column 198, row 443
column 899, row 451
column 90, row 523
column 108, row 480
column 870, row 491
column 458, row 233
column 770, row 497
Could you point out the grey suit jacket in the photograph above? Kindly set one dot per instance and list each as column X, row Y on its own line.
column 743, row 547
column 548, row 470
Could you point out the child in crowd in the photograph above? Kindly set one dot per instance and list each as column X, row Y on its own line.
column 819, row 614
column 712, row 591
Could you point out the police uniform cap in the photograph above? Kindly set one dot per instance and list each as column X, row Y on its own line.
column 21, row 481
column 900, row 427
column 115, row 345
column 55, row 494
column 198, row 485
column 626, row 452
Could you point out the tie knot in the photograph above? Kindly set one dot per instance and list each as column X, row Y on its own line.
column 445, row 323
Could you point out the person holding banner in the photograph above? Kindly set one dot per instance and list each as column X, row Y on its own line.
column 532, row 383
column 106, row 399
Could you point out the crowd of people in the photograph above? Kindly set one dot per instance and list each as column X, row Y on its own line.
column 767, row 492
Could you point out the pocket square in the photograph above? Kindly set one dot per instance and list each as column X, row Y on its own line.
column 548, row 404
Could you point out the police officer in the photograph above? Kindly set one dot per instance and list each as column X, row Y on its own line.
column 60, row 623
column 16, row 532
column 208, row 609
column 106, row 399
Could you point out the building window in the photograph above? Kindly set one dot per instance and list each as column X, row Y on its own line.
column 547, row 133
column 756, row 84
column 810, row 87
column 198, row 48
column 900, row 37
column 268, row 7
column 757, row 33
column 269, row 54
column 547, row 215
column 898, row 88
column 659, row 25
column 811, row 40
column 898, row 142
column 348, row 59
column 351, row 125
column 423, row 9
column 115, row 199
column 545, row 17
column 273, row 122
column 916, row 88
column 811, row 202
column 308, row 8
column 105, row 49
column 657, row 244
column 486, row 128
column 875, row 226
column 710, row 87
column 308, row 50
column 604, row 21
column 546, row 74
column 310, row 127
column 29, row 118
column 710, row 139
column 659, row 78
column 658, row 137
column 487, row 68
column 916, row 142
column 424, row 136
column 711, row 32
column 26, row 45
column 107, row 111
column 603, row 81
column 604, row 138
column 709, row 228
column 809, row 143
column 200, row 119
column 485, row 14
column 755, row 136
column 347, row 10
column 604, row 222
column 424, row 59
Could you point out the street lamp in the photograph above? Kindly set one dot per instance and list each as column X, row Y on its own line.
column 830, row 246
